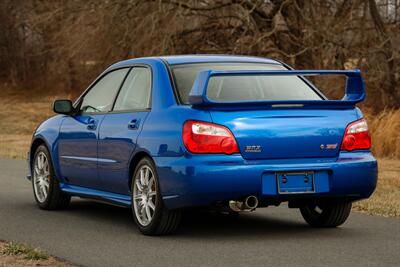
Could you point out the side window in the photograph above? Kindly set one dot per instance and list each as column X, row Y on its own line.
column 136, row 91
column 101, row 96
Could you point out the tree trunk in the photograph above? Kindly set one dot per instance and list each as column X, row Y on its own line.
column 391, row 83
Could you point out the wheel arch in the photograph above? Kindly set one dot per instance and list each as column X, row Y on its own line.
column 38, row 141
column 134, row 162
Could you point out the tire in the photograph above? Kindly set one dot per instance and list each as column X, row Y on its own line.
column 326, row 214
column 149, row 212
column 46, row 188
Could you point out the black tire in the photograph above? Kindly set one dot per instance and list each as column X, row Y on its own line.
column 56, row 199
column 326, row 214
column 163, row 221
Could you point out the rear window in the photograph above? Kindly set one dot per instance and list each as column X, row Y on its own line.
column 242, row 88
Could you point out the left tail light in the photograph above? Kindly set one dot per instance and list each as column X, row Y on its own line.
column 356, row 136
column 208, row 138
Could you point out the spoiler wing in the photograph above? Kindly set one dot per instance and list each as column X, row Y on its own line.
column 354, row 92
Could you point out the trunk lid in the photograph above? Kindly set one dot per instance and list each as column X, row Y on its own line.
column 287, row 133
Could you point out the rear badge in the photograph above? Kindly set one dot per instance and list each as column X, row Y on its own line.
column 253, row 149
column 328, row 146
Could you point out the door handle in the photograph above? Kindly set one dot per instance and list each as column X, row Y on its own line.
column 133, row 124
column 91, row 124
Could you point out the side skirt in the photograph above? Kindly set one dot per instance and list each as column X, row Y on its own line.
column 111, row 198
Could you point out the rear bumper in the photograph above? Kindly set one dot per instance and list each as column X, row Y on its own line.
column 198, row 180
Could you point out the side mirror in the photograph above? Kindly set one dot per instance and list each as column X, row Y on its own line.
column 63, row 106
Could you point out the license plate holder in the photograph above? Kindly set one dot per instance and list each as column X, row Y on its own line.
column 295, row 182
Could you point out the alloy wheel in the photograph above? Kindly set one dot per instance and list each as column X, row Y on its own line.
column 144, row 195
column 41, row 177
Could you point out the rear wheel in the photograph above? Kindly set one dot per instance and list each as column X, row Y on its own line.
column 149, row 212
column 46, row 187
column 326, row 214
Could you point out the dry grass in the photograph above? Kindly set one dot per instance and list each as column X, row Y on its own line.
column 386, row 199
column 21, row 112
column 20, row 117
column 14, row 145
column 385, row 130
column 15, row 255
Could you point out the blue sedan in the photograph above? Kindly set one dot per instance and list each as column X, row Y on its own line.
column 234, row 133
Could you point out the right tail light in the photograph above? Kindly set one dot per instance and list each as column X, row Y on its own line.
column 356, row 136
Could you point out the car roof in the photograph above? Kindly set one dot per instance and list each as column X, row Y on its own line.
column 186, row 59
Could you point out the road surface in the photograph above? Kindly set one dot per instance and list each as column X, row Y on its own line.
column 94, row 234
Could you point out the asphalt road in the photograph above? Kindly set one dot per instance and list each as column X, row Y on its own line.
column 94, row 234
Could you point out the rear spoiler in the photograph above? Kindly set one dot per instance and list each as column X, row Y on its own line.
column 354, row 92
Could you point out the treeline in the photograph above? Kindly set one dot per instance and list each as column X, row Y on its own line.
column 63, row 45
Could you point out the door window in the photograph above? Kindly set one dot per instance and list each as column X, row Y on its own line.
column 101, row 96
column 136, row 91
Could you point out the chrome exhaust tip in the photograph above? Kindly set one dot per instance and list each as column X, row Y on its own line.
column 250, row 203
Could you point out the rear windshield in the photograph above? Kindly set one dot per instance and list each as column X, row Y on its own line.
column 242, row 88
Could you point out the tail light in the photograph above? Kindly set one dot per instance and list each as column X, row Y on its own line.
column 204, row 137
column 356, row 136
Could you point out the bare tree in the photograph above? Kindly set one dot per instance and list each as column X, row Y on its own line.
column 66, row 43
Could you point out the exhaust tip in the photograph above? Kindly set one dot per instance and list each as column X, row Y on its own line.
column 251, row 202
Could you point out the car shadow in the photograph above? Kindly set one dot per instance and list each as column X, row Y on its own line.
column 103, row 212
column 205, row 224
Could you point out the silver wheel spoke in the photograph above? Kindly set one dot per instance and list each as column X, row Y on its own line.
column 142, row 177
column 44, row 164
column 138, row 185
column 152, row 193
column 43, row 191
column 138, row 197
column 46, row 170
column 148, row 213
column 41, row 161
column 142, row 212
column 151, row 182
column 151, row 204
column 46, row 184
column 38, row 162
column 146, row 176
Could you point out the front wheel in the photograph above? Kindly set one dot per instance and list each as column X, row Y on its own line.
column 149, row 212
column 326, row 214
column 46, row 187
